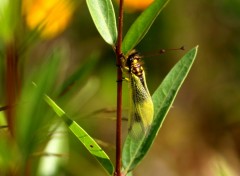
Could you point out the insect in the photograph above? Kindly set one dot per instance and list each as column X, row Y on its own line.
column 141, row 105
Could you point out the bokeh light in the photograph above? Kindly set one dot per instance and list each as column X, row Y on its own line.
column 50, row 17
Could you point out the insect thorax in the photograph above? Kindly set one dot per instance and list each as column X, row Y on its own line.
column 134, row 64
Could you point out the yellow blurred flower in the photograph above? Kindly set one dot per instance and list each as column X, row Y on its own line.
column 137, row 4
column 50, row 17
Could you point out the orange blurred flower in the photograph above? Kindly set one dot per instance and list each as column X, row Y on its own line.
column 50, row 17
column 137, row 4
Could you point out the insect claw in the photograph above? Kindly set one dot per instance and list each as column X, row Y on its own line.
column 123, row 79
column 121, row 55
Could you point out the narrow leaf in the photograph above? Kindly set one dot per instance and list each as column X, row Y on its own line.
column 134, row 151
column 81, row 73
column 142, row 24
column 83, row 137
column 9, row 17
column 103, row 16
column 31, row 108
column 54, row 156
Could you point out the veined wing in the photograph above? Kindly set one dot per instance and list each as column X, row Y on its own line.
column 141, row 107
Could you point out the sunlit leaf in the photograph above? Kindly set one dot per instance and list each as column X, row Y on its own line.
column 83, row 137
column 142, row 24
column 54, row 156
column 9, row 14
column 8, row 152
column 103, row 16
column 134, row 151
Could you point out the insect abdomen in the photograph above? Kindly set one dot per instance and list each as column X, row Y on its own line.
column 141, row 110
column 141, row 114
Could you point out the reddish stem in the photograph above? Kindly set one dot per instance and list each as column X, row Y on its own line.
column 12, row 84
column 119, row 93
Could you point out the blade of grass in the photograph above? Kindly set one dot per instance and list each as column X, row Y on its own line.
column 9, row 17
column 103, row 16
column 134, row 151
column 80, row 75
column 54, row 156
column 142, row 24
column 31, row 112
column 90, row 144
column 9, row 155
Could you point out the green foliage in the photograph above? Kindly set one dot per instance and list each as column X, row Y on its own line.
column 30, row 116
column 80, row 74
column 55, row 151
column 103, row 15
column 34, row 119
column 134, row 151
column 142, row 24
column 9, row 16
column 83, row 137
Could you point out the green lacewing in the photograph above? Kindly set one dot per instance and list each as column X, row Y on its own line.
column 141, row 105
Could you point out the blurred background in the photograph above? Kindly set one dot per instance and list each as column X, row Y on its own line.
column 200, row 136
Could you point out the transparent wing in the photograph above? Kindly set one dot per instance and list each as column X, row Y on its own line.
column 141, row 107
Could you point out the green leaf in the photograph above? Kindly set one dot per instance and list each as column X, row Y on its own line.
column 134, row 151
column 142, row 24
column 9, row 153
column 54, row 155
column 129, row 174
column 31, row 113
column 9, row 16
column 103, row 16
column 90, row 144
column 80, row 75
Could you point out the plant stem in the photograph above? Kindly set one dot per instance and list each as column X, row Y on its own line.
column 119, row 93
column 12, row 84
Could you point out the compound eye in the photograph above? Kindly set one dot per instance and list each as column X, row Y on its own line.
column 135, row 61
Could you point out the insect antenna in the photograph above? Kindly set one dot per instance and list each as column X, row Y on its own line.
column 162, row 51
